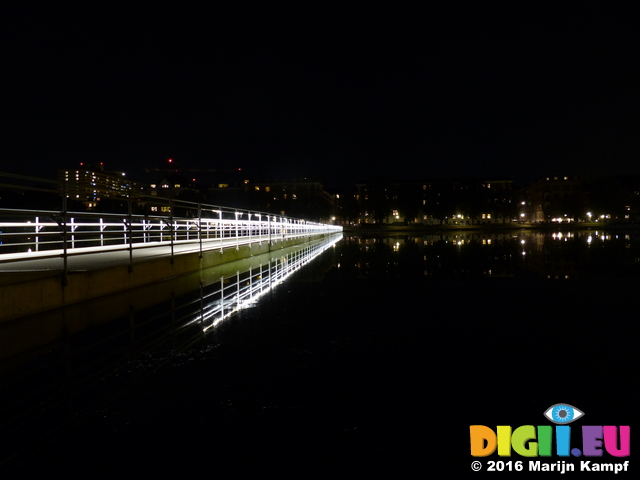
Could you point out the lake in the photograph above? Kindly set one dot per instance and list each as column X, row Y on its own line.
column 377, row 353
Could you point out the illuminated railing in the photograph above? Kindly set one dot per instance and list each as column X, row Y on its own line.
column 29, row 234
column 46, row 231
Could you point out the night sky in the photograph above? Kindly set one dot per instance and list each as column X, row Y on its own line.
column 497, row 89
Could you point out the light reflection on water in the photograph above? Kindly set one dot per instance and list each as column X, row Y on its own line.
column 56, row 363
column 550, row 255
column 358, row 349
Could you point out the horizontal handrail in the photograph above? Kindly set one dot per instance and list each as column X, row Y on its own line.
column 28, row 234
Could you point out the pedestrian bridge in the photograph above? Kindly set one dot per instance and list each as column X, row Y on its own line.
column 50, row 259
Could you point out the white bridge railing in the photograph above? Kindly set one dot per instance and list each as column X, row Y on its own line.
column 34, row 234
column 183, row 226
column 47, row 232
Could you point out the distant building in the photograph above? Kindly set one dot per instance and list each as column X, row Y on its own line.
column 171, row 186
column 298, row 198
column 467, row 201
column 461, row 201
column 614, row 199
column 345, row 206
column 92, row 185
column 552, row 199
column 387, row 202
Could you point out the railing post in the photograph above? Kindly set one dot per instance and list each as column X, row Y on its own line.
column 200, row 227
column 171, row 231
column 237, row 237
column 65, row 267
column 259, row 228
column 37, row 230
column 220, row 225
column 130, row 221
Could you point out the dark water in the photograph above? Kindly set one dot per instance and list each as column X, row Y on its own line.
column 378, row 354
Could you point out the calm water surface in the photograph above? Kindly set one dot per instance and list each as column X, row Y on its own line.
column 378, row 353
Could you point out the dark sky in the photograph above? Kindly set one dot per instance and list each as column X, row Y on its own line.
column 509, row 89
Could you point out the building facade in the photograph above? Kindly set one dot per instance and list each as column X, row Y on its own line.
column 90, row 186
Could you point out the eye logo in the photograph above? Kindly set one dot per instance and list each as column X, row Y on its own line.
column 563, row 413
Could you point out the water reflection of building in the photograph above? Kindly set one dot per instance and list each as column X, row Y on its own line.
column 567, row 255
column 561, row 255
column 557, row 255
column 447, row 255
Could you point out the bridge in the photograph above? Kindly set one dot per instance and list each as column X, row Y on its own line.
column 53, row 258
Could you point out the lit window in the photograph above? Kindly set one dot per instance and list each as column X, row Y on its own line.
column 223, row 185
column 165, row 185
column 153, row 185
column 267, row 189
column 165, row 209
column 488, row 215
column 177, row 185
column 256, row 188
column 154, row 209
